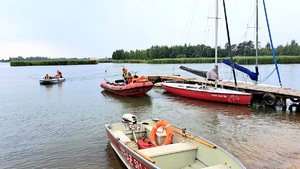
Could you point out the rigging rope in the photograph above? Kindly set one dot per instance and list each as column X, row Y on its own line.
column 206, row 32
column 190, row 21
column 267, row 77
column 111, row 75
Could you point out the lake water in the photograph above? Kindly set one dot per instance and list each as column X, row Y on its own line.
column 62, row 125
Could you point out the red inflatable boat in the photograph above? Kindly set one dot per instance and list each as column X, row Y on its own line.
column 137, row 88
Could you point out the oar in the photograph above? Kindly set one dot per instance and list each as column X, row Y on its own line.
column 195, row 138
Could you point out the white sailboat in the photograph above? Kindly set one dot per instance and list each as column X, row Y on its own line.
column 254, row 74
column 207, row 92
column 269, row 99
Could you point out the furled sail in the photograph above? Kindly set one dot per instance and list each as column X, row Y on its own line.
column 252, row 75
column 196, row 72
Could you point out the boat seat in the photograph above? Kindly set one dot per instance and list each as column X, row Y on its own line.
column 168, row 149
column 148, row 127
column 120, row 134
column 160, row 134
column 218, row 166
column 160, row 131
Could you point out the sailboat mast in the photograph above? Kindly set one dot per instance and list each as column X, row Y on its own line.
column 229, row 44
column 256, row 40
column 216, row 33
column 273, row 50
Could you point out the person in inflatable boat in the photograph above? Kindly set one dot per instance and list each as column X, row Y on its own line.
column 126, row 75
column 47, row 77
column 58, row 74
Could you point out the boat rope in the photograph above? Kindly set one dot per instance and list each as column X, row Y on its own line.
column 106, row 70
column 206, row 33
column 245, row 78
column 264, row 79
column 172, row 71
column 190, row 21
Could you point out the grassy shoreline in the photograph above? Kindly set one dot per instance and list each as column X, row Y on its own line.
column 243, row 60
column 51, row 62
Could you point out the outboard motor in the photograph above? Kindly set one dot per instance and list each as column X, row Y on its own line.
column 131, row 121
column 129, row 118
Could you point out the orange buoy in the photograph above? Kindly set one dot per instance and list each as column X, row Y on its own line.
column 167, row 126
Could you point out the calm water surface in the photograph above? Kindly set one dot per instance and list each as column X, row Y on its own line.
column 62, row 125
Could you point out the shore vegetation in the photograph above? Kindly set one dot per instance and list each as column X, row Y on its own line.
column 243, row 53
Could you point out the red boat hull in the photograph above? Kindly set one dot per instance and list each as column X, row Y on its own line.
column 128, row 156
column 218, row 95
column 133, row 89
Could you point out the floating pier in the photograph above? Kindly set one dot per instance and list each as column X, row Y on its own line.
column 262, row 95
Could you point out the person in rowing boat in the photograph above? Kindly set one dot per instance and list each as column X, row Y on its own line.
column 213, row 74
column 47, row 77
column 58, row 74
column 126, row 75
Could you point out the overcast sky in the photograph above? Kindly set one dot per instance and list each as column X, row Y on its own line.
column 96, row 28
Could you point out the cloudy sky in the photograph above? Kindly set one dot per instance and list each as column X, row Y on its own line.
column 96, row 28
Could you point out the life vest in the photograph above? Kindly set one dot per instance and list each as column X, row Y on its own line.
column 139, row 79
column 126, row 75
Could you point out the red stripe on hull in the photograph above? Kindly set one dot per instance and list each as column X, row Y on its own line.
column 128, row 155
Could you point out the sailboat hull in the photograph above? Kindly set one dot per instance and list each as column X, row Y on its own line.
column 208, row 93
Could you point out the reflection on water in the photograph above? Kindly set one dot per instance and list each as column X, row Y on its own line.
column 62, row 125
column 132, row 103
column 250, row 134
column 50, row 86
column 224, row 108
column 113, row 161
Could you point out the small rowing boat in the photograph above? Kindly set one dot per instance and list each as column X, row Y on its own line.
column 154, row 144
column 52, row 80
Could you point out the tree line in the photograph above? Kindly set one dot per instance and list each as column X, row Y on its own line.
column 246, row 48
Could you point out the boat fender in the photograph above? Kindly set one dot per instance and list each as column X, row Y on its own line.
column 167, row 126
column 296, row 100
column 269, row 99
column 297, row 107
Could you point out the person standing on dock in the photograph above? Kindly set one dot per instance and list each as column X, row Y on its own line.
column 213, row 74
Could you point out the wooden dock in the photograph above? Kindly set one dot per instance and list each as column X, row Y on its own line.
column 267, row 95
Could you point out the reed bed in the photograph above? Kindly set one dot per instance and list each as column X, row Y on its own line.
column 181, row 60
column 243, row 60
column 51, row 62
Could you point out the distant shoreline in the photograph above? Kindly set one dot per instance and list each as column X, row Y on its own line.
column 51, row 62
column 243, row 60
